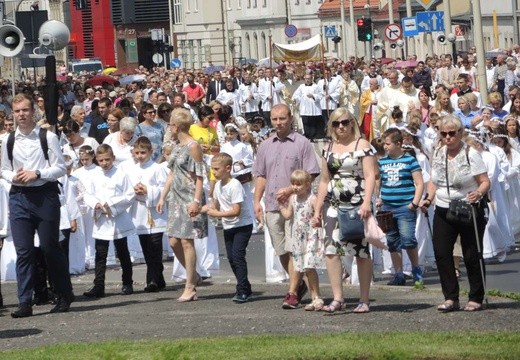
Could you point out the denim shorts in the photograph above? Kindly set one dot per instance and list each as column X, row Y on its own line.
column 403, row 234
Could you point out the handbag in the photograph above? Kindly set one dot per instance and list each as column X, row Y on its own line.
column 351, row 226
column 459, row 211
column 244, row 178
column 385, row 220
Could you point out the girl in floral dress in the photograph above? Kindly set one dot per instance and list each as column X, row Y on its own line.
column 305, row 246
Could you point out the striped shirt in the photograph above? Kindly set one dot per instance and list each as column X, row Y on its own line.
column 397, row 185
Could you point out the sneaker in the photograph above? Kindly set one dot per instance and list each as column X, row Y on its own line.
column 398, row 280
column 241, row 298
column 290, row 301
column 417, row 275
column 127, row 290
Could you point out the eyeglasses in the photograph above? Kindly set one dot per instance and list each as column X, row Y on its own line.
column 344, row 123
column 151, row 112
column 450, row 133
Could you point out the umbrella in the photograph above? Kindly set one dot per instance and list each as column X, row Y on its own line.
column 248, row 61
column 267, row 63
column 131, row 78
column 101, row 80
column 385, row 61
column 125, row 70
column 495, row 52
column 211, row 69
column 109, row 70
column 406, row 64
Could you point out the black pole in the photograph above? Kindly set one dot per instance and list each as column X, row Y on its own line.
column 51, row 91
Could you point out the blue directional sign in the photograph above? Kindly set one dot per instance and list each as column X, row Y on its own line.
column 409, row 26
column 175, row 63
column 430, row 21
column 330, row 31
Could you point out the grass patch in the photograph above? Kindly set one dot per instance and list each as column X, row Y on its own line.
column 399, row 345
column 510, row 295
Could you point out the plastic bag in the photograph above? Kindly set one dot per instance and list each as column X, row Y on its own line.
column 373, row 233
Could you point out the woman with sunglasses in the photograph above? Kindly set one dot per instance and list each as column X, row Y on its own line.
column 348, row 178
column 152, row 130
column 458, row 173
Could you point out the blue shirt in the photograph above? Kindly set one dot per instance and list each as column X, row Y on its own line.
column 155, row 133
column 466, row 119
column 397, row 185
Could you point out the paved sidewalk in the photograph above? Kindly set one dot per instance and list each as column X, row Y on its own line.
column 159, row 315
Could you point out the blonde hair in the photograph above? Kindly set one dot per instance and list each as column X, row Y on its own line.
column 335, row 115
column 494, row 97
column 182, row 118
column 301, row 177
column 223, row 159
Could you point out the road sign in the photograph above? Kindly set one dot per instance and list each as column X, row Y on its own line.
column 426, row 4
column 393, row 32
column 410, row 26
column 291, row 30
column 157, row 58
column 175, row 63
column 430, row 21
column 459, row 30
column 330, row 31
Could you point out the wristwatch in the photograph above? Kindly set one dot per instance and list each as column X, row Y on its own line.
column 38, row 174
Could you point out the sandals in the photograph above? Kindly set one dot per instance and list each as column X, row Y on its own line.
column 315, row 305
column 457, row 273
column 473, row 306
column 334, row 306
column 449, row 306
column 362, row 308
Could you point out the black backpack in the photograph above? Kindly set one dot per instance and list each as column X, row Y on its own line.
column 43, row 141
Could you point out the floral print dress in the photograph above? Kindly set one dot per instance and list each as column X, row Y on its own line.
column 305, row 244
column 182, row 192
column 346, row 188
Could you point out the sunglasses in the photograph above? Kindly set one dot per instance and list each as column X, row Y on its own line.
column 344, row 123
column 151, row 112
column 450, row 133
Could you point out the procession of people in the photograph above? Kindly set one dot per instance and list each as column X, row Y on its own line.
column 306, row 153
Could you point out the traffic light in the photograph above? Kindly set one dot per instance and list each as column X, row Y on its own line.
column 361, row 29
column 364, row 27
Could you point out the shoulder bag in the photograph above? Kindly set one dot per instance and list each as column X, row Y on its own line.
column 459, row 211
column 351, row 226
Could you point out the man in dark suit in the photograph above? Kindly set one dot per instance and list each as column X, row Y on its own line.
column 237, row 78
column 214, row 87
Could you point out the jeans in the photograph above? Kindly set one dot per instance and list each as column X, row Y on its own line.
column 152, row 251
column 101, row 261
column 403, row 234
column 236, row 240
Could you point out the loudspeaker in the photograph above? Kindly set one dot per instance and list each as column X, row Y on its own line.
column 30, row 22
column 400, row 43
column 393, row 46
column 54, row 35
column 441, row 38
column 11, row 40
column 378, row 46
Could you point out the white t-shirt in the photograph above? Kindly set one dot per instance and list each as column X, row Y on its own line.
column 227, row 195
column 461, row 175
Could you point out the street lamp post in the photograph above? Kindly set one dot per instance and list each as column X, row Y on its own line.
column 369, row 52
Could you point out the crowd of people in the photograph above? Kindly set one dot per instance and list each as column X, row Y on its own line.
column 158, row 165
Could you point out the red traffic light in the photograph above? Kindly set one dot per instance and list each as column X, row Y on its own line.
column 360, row 22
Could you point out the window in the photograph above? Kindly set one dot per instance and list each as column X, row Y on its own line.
column 188, row 6
column 177, row 11
column 239, row 4
column 249, row 4
column 297, row 2
column 264, row 3
column 196, row 9
column 228, row 5
column 255, row 4
column 308, row 2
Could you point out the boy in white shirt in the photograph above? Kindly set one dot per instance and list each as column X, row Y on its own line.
column 228, row 199
column 148, row 179
column 110, row 195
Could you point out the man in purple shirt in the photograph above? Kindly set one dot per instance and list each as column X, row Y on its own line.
column 277, row 158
